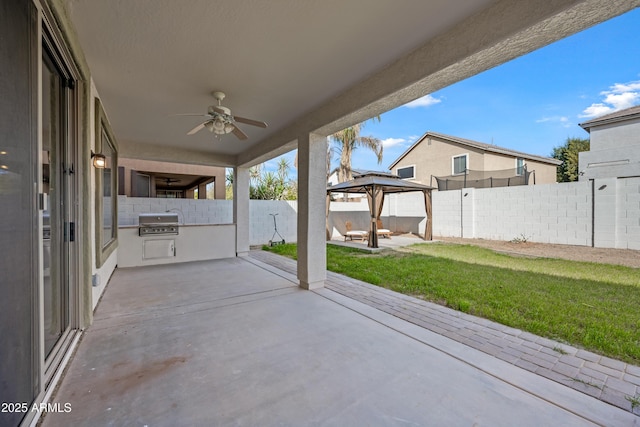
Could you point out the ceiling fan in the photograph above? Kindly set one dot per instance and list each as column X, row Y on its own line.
column 169, row 181
column 220, row 121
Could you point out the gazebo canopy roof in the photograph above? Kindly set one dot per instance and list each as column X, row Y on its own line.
column 389, row 184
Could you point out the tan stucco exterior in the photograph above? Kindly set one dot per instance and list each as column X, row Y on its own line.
column 432, row 155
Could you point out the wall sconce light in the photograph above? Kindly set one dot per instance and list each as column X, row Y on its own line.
column 99, row 160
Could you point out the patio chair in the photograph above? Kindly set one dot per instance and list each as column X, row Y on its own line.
column 383, row 231
column 357, row 234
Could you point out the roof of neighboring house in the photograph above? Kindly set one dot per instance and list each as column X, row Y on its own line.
column 617, row 116
column 479, row 145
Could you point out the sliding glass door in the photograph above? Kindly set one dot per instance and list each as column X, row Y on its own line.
column 58, row 176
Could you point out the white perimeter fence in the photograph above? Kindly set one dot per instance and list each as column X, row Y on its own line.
column 602, row 213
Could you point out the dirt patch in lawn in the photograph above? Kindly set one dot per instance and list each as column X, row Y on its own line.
column 628, row 257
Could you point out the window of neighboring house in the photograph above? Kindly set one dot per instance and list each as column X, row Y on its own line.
column 406, row 172
column 460, row 164
column 519, row 166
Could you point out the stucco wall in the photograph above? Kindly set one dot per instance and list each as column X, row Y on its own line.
column 434, row 157
column 543, row 173
column 615, row 135
column 615, row 151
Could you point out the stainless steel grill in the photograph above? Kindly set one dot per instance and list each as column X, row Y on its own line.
column 155, row 224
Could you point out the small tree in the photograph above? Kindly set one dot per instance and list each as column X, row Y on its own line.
column 229, row 186
column 568, row 155
column 272, row 185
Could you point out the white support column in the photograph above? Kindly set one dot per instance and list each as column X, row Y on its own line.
column 312, row 186
column 241, row 209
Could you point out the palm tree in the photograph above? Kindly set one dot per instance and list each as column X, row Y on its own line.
column 348, row 140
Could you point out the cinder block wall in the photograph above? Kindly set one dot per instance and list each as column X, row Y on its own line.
column 190, row 211
column 355, row 212
column 261, row 226
column 628, row 213
column 549, row 213
column 446, row 212
column 602, row 213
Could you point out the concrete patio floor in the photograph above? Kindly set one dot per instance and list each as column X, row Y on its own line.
column 396, row 241
column 236, row 342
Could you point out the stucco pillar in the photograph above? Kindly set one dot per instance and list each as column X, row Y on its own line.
column 312, row 186
column 241, row 209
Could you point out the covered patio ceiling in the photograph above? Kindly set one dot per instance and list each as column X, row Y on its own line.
column 301, row 66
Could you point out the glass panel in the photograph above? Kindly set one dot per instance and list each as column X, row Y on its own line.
column 405, row 173
column 18, row 218
column 520, row 166
column 107, row 200
column 106, row 229
column 459, row 164
column 55, row 258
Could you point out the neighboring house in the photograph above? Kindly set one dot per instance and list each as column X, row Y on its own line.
column 458, row 162
column 149, row 178
column 615, row 146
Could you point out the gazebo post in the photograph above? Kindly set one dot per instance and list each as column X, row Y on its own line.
column 373, row 227
column 428, row 230
column 329, row 233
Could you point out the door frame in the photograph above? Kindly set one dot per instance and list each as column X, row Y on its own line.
column 49, row 33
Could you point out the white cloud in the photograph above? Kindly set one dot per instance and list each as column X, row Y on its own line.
column 425, row 101
column 620, row 101
column 390, row 142
column 595, row 110
column 618, row 97
column 563, row 120
column 624, row 87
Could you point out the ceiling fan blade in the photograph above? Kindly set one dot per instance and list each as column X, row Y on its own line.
column 250, row 122
column 237, row 132
column 193, row 115
column 196, row 129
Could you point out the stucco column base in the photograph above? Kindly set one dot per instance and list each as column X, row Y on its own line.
column 242, row 254
column 311, row 286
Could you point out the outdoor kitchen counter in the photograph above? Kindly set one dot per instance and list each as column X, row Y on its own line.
column 194, row 242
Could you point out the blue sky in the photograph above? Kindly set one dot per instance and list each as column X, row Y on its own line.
column 530, row 104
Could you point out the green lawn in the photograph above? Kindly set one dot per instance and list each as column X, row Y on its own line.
column 588, row 305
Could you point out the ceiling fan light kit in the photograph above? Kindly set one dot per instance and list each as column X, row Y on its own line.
column 220, row 121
